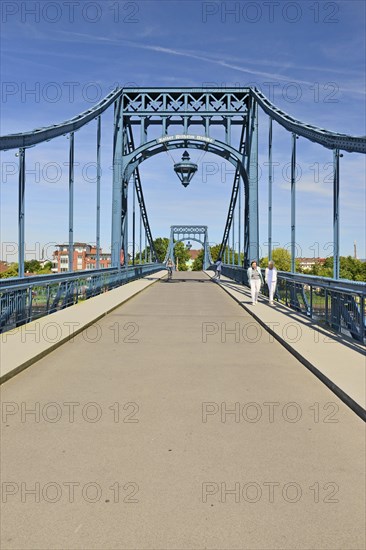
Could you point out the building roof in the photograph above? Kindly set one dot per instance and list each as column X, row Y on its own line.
column 75, row 244
column 309, row 260
column 3, row 266
column 193, row 254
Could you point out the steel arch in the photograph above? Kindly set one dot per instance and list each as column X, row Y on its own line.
column 132, row 161
column 189, row 232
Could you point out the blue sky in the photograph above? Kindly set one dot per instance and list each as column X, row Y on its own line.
column 58, row 60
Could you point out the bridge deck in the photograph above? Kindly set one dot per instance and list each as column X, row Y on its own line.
column 293, row 452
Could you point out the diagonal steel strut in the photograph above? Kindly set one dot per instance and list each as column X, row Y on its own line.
column 139, row 193
column 234, row 196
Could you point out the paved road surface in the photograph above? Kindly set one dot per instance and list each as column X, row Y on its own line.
column 166, row 464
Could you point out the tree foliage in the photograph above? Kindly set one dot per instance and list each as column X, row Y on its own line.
column 350, row 268
column 161, row 246
column 12, row 271
column 281, row 258
column 30, row 266
column 215, row 250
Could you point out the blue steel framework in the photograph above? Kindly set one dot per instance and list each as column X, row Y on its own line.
column 28, row 299
column 338, row 304
column 198, row 233
column 185, row 107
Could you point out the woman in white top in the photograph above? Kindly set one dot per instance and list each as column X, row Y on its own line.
column 271, row 280
column 255, row 280
column 218, row 267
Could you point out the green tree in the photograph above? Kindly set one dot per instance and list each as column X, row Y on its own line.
column 198, row 262
column 281, row 258
column 215, row 251
column 161, row 246
column 350, row 268
column 32, row 266
column 181, row 256
column 46, row 269
column 12, row 271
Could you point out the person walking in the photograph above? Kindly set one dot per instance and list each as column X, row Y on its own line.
column 271, row 279
column 218, row 266
column 255, row 281
column 170, row 266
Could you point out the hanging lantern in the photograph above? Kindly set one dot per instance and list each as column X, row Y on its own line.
column 185, row 169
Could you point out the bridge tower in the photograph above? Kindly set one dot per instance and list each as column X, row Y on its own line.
column 198, row 233
column 139, row 109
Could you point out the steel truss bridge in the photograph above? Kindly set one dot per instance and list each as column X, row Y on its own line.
column 196, row 112
column 198, row 233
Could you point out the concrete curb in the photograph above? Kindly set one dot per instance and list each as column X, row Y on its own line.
column 351, row 403
column 24, row 365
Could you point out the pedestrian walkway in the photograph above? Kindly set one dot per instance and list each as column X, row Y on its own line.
column 338, row 362
column 22, row 346
column 162, row 426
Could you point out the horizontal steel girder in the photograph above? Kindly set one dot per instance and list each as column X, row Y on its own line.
column 187, row 102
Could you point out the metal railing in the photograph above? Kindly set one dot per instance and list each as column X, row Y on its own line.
column 23, row 300
column 338, row 304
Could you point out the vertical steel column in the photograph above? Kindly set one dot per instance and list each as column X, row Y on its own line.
column 293, row 203
column 253, row 222
column 133, row 223
column 228, row 131
column 98, row 192
column 207, row 126
column 117, row 186
column 336, row 213
column 246, row 262
column 206, row 253
column 233, row 239
column 143, row 131
column 270, row 182
column 145, row 248
column 71, row 202
column 239, row 221
column 124, row 226
column 127, row 173
column 185, row 118
column 21, row 213
column 362, row 318
column 140, row 237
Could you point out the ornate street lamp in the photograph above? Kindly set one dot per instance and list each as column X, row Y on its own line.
column 185, row 169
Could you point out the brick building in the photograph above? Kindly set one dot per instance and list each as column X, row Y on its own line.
column 192, row 257
column 3, row 266
column 84, row 257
